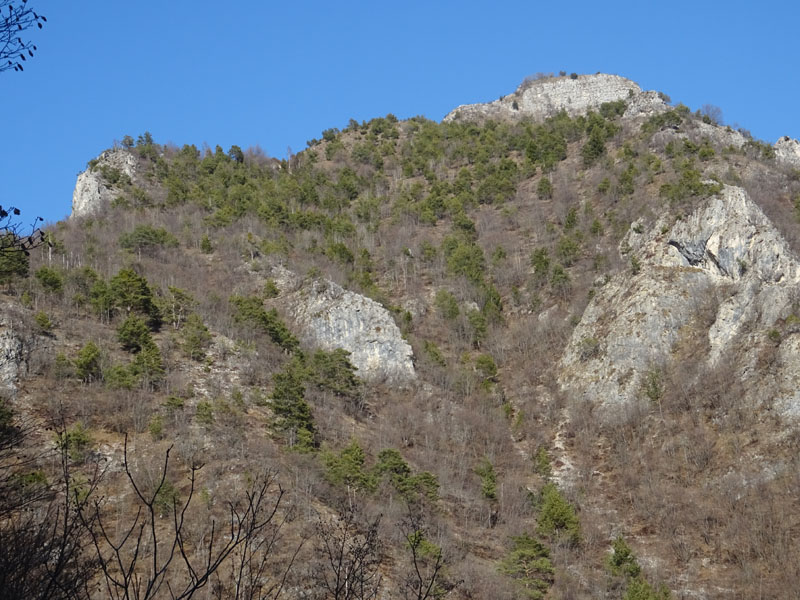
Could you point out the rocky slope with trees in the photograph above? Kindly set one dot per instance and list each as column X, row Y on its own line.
column 546, row 348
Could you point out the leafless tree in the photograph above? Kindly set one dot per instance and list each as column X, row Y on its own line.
column 15, row 237
column 147, row 556
column 351, row 556
column 16, row 17
column 40, row 533
column 426, row 577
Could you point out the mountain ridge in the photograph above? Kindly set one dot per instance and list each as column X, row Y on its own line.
column 574, row 330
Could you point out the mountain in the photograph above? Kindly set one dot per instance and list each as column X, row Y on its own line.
column 546, row 348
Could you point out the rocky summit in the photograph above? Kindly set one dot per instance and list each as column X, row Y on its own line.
column 545, row 348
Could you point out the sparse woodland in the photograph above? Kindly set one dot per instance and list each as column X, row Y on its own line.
column 173, row 436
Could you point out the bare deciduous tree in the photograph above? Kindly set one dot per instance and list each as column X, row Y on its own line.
column 15, row 18
column 151, row 555
column 351, row 556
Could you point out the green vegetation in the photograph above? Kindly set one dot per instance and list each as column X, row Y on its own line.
column 484, row 241
column 622, row 561
column 195, row 337
column 292, row 412
column 347, row 468
column 145, row 238
column 52, row 280
column 446, row 304
column 87, row 364
column 557, row 518
column 13, row 261
column 528, row 563
column 485, row 470
column 133, row 334
column 251, row 310
column 76, row 441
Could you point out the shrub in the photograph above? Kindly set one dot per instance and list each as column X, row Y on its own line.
column 195, row 337
column 544, row 189
column 128, row 291
column 487, row 368
column 51, row 280
column 557, row 517
column 43, row 322
column 622, row 561
column 479, row 327
column 559, row 279
column 540, row 261
column 75, row 441
column 167, row 498
column 347, row 468
column 639, row 589
column 434, row 353
column 595, row 147
column 567, row 250
column 87, row 364
column 133, row 334
column 446, row 304
column 465, row 258
column 334, row 372
column 156, row 427
column 529, row 564
column 251, row 310
column 271, row 289
column 119, row 377
column 485, row 470
column 13, row 260
column 204, row 413
column 205, row 245
column 148, row 366
column 147, row 238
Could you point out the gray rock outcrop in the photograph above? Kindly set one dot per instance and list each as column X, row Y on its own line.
column 725, row 264
column 13, row 355
column 329, row 317
column 544, row 98
column 787, row 151
column 92, row 191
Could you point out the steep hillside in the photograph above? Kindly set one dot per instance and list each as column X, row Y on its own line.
column 545, row 348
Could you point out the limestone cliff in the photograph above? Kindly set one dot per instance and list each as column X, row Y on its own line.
column 14, row 350
column 725, row 264
column 329, row 317
column 544, row 98
column 787, row 151
column 92, row 189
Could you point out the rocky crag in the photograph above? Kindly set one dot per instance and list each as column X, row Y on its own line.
column 93, row 189
column 723, row 273
column 787, row 151
column 542, row 98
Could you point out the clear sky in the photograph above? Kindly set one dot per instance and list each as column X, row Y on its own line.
column 276, row 74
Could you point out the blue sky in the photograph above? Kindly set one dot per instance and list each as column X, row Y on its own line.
column 277, row 74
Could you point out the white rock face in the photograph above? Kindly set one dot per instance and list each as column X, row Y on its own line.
column 12, row 355
column 726, row 258
column 546, row 97
column 91, row 191
column 331, row 317
column 722, row 136
column 787, row 151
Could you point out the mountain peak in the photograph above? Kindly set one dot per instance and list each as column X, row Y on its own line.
column 546, row 96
